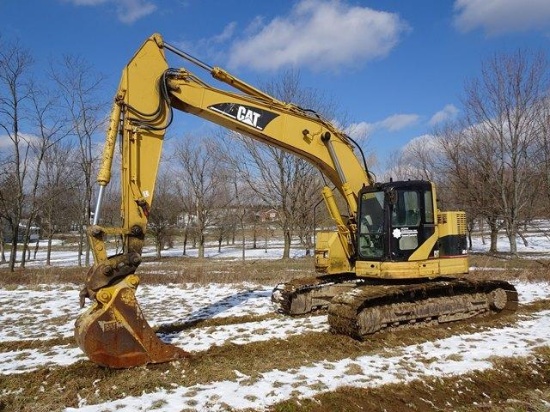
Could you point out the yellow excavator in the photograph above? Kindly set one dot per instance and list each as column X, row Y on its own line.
column 394, row 260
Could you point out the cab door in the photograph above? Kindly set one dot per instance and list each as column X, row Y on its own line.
column 412, row 221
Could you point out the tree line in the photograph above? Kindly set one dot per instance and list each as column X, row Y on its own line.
column 493, row 161
column 48, row 119
column 212, row 184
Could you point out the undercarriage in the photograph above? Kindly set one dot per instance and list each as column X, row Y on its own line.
column 360, row 307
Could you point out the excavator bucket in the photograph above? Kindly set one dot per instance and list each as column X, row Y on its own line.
column 114, row 332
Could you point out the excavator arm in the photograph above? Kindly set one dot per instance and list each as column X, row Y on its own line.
column 113, row 331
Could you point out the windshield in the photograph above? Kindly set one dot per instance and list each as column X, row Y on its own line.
column 371, row 227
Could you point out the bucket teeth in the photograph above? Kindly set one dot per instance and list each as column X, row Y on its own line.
column 114, row 332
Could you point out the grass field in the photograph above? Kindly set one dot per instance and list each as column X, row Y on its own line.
column 247, row 357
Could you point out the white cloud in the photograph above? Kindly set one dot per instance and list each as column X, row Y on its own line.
column 321, row 35
column 128, row 11
column 426, row 141
column 226, row 34
column 5, row 142
column 209, row 48
column 359, row 131
column 397, row 122
column 393, row 123
column 413, row 157
column 449, row 112
column 501, row 16
column 7, row 145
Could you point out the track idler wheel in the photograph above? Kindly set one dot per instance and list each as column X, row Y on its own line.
column 114, row 332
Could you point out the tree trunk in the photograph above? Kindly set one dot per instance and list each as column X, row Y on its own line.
column 49, row 250
column 36, row 246
column 2, row 244
column 80, row 245
column 309, row 244
column 2, row 250
column 158, row 245
column 286, row 250
column 255, row 239
column 243, row 242
column 185, row 238
column 201, row 246
column 493, row 248
column 512, row 239
column 13, row 255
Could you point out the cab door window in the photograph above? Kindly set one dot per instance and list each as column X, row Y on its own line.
column 405, row 221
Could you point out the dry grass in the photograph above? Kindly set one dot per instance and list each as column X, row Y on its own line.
column 206, row 271
column 507, row 267
column 513, row 385
column 175, row 270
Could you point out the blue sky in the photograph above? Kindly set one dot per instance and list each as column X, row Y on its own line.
column 396, row 68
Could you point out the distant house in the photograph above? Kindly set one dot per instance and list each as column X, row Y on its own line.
column 270, row 215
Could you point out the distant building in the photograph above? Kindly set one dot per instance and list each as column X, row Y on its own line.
column 270, row 215
column 34, row 235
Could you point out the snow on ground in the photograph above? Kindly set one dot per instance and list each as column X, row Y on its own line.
column 538, row 243
column 537, row 237
column 451, row 356
column 274, row 250
column 54, row 311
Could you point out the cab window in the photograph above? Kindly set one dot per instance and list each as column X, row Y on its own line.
column 406, row 212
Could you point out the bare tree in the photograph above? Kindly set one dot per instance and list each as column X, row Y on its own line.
column 48, row 128
column 417, row 160
column 542, row 156
column 15, row 65
column 305, row 195
column 164, row 213
column 501, row 110
column 241, row 202
column 80, row 86
column 58, row 191
column 460, row 172
column 201, row 180
column 278, row 178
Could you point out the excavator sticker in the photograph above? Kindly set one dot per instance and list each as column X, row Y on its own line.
column 252, row 116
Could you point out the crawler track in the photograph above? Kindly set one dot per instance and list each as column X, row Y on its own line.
column 365, row 310
column 303, row 295
column 359, row 307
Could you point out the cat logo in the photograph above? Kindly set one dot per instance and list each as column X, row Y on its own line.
column 251, row 116
column 248, row 116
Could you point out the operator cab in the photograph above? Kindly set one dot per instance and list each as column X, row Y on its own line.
column 395, row 219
